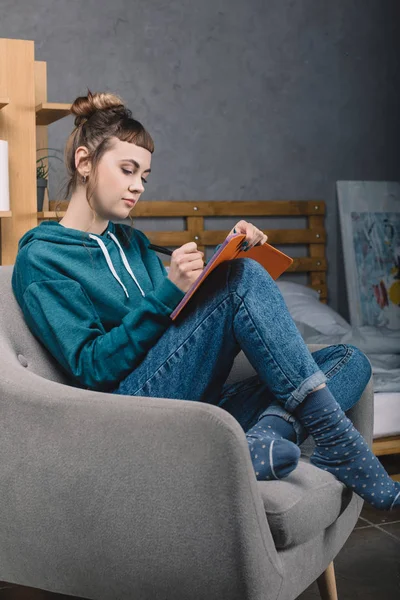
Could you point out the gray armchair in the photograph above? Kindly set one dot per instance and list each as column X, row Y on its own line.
column 116, row 497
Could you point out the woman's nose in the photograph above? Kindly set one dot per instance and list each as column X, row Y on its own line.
column 138, row 187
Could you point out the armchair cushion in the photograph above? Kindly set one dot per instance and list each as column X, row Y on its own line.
column 301, row 505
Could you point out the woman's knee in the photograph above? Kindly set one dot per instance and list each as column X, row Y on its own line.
column 363, row 363
column 348, row 371
column 357, row 371
column 248, row 270
column 332, row 359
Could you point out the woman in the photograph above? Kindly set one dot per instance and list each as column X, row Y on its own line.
column 100, row 301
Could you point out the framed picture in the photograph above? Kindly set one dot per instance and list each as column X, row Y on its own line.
column 369, row 213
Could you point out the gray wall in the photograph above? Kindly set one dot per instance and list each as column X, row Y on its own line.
column 245, row 99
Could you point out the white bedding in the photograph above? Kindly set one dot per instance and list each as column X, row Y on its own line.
column 386, row 414
column 385, row 364
column 385, row 370
column 320, row 324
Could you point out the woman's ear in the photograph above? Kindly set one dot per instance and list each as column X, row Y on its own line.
column 82, row 161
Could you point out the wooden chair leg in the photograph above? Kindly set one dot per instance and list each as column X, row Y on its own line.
column 327, row 584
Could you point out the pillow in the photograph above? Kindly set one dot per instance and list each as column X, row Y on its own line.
column 308, row 312
column 288, row 287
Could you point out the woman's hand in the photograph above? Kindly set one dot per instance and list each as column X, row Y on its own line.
column 186, row 265
column 254, row 236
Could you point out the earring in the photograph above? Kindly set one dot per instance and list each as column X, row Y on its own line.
column 84, row 179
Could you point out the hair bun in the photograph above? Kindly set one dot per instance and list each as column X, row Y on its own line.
column 85, row 106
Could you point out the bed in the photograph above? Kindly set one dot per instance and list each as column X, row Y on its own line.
column 320, row 324
column 173, row 223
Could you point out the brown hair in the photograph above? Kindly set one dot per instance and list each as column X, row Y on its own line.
column 98, row 117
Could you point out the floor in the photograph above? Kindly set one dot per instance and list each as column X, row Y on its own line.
column 367, row 567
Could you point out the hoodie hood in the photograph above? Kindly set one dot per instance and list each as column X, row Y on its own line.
column 54, row 232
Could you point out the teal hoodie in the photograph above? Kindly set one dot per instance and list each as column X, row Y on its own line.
column 98, row 303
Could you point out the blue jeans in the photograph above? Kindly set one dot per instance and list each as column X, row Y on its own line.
column 240, row 307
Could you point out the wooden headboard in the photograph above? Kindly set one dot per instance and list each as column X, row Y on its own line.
column 194, row 213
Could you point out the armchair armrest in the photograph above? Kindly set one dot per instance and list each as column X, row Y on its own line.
column 131, row 495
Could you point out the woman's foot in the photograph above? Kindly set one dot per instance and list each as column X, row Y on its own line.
column 341, row 450
column 273, row 457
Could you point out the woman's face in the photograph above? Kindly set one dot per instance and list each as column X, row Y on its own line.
column 122, row 173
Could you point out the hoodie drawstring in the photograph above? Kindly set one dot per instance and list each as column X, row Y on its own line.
column 110, row 263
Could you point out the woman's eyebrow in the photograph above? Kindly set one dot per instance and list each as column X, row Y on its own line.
column 134, row 163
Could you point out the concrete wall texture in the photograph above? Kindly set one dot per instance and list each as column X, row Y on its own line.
column 245, row 99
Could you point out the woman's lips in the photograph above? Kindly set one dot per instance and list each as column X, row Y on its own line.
column 130, row 202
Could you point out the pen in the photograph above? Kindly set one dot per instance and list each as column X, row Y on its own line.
column 162, row 250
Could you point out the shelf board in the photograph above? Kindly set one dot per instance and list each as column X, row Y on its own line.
column 4, row 102
column 5, row 213
column 50, row 214
column 49, row 112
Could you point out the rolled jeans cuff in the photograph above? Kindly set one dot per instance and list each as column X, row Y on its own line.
column 278, row 411
column 307, row 386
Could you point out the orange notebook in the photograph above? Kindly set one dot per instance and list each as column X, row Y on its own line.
column 273, row 260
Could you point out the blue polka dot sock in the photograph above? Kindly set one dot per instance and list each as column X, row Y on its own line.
column 341, row 450
column 279, row 425
column 272, row 456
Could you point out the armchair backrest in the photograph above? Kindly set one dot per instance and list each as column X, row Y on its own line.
column 19, row 348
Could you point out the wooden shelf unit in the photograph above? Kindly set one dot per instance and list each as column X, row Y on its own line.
column 50, row 214
column 25, row 115
column 49, row 112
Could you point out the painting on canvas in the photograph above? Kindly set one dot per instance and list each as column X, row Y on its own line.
column 370, row 223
